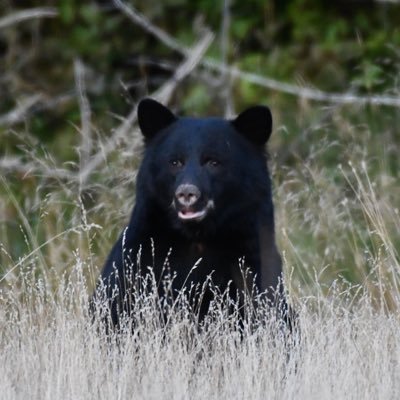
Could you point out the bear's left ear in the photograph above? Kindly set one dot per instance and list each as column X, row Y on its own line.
column 255, row 124
column 153, row 117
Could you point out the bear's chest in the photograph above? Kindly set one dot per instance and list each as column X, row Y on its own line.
column 192, row 258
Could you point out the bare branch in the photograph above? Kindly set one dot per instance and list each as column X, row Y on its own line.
column 16, row 165
column 388, row 1
column 84, row 107
column 37, row 101
column 192, row 60
column 266, row 82
column 226, row 79
column 308, row 93
column 33, row 13
column 19, row 113
column 143, row 22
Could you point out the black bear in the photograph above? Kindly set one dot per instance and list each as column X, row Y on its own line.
column 203, row 195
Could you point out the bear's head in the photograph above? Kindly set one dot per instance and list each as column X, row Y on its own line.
column 204, row 172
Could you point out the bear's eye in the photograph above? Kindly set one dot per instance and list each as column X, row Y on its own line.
column 212, row 162
column 176, row 163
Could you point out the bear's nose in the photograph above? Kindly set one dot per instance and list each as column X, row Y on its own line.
column 187, row 194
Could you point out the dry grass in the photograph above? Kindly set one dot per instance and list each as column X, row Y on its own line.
column 51, row 350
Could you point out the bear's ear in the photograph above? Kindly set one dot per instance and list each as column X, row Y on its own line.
column 153, row 117
column 255, row 124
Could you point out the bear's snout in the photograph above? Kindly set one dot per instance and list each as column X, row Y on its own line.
column 188, row 205
column 187, row 194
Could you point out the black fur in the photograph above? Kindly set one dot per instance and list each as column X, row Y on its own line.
column 229, row 216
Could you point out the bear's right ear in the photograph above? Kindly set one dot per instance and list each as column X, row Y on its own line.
column 153, row 117
column 255, row 124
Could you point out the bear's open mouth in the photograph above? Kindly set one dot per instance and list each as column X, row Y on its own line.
column 188, row 214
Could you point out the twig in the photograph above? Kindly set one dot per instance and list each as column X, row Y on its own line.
column 142, row 21
column 226, row 79
column 20, row 16
column 37, row 101
column 84, row 107
column 192, row 60
column 313, row 94
column 269, row 83
column 163, row 94
column 24, row 168
column 19, row 113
